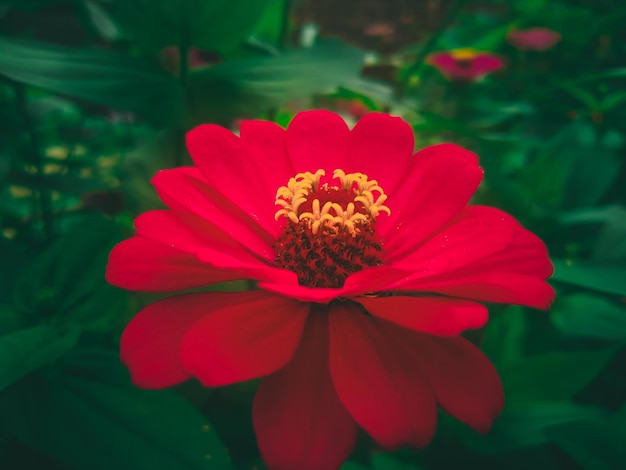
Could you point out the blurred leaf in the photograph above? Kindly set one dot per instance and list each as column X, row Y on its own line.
column 613, row 73
column 593, row 443
column 503, row 340
column 525, row 426
column 432, row 122
column 101, row 20
column 10, row 319
column 582, row 95
column 602, row 277
column 270, row 24
column 590, row 316
column 351, row 465
column 104, row 422
column 94, row 75
column 612, row 101
column 382, row 461
column 215, row 25
column 244, row 88
column 67, row 280
column 591, row 172
column 553, row 376
column 610, row 244
column 26, row 350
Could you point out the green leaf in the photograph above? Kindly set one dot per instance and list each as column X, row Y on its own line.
column 94, row 75
column 593, row 443
column 101, row 20
column 351, row 465
column 592, row 171
column 26, row 350
column 67, row 280
column 525, row 426
column 9, row 319
column 589, row 316
column 608, row 278
column 553, row 376
column 503, row 342
column 582, row 95
column 247, row 87
column 96, row 419
column 216, row 25
column 607, row 74
column 382, row 461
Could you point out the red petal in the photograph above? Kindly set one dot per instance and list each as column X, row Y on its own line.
column 191, row 234
column 245, row 340
column 465, row 383
column 439, row 184
column 459, row 245
column 264, row 143
column 498, row 287
column 142, row 265
column 298, row 419
column 381, row 146
column 526, row 254
column 150, row 345
column 317, row 139
column 435, row 315
column 485, row 64
column 380, row 387
column 362, row 282
column 231, row 171
column 186, row 190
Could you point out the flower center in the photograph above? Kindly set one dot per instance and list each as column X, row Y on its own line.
column 466, row 54
column 331, row 228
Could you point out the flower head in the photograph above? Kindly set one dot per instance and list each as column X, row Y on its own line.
column 369, row 264
column 465, row 64
column 533, row 39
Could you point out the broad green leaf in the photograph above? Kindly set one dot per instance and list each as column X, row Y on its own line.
column 589, row 316
column 387, row 462
column 525, row 426
column 503, row 342
column 582, row 95
column 101, row 20
column 351, row 465
column 612, row 101
column 610, row 244
column 608, row 278
column 24, row 351
column 607, row 74
column 95, row 75
column 553, row 376
column 243, row 88
column 214, row 25
column 96, row 419
column 593, row 443
column 67, row 280
column 592, row 171
column 9, row 319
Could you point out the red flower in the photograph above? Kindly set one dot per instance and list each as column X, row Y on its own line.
column 533, row 39
column 366, row 279
column 465, row 64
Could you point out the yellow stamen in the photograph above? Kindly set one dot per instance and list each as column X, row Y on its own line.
column 466, row 53
column 332, row 215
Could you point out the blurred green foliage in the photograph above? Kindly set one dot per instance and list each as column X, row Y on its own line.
column 96, row 95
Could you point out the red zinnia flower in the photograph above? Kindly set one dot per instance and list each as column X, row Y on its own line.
column 465, row 64
column 369, row 264
column 533, row 39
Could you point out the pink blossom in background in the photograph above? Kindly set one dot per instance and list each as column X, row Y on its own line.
column 533, row 39
column 465, row 64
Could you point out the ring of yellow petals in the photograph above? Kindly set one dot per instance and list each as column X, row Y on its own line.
column 331, row 214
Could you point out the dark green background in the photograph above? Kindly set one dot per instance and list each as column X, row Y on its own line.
column 91, row 107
